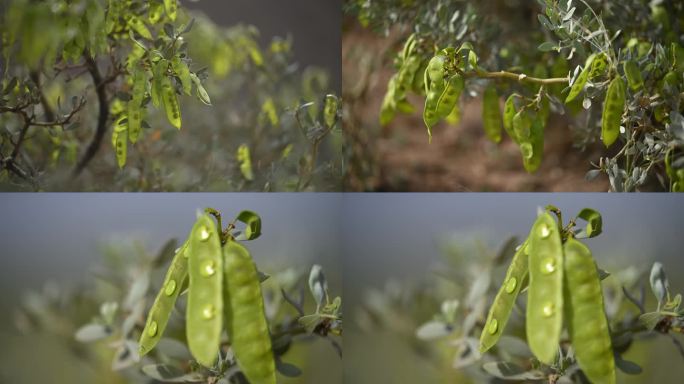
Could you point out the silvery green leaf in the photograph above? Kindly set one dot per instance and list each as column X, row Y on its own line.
column 433, row 330
column 108, row 311
column 659, row 283
column 138, row 290
column 509, row 371
column 92, row 332
column 287, row 369
column 173, row 349
column 318, row 285
column 171, row 374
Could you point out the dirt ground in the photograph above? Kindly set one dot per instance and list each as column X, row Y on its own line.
column 460, row 158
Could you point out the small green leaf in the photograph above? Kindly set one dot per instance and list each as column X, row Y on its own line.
column 509, row 371
column 252, row 222
column 594, row 221
column 92, row 332
column 245, row 162
column 546, row 46
column 433, row 330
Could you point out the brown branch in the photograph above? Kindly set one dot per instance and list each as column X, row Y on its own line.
column 521, row 77
column 49, row 114
column 101, row 128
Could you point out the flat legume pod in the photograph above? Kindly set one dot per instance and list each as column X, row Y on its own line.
column 449, row 97
column 509, row 114
column 245, row 318
column 160, row 312
column 545, row 292
column 585, row 316
column 532, row 159
column 504, row 301
column 612, row 111
column 170, row 100
column 491, row 115
column 171, row 7
column 633, row 75
column 205, row 294
column 581, row 80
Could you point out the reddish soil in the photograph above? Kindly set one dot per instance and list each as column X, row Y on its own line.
column 460, row 158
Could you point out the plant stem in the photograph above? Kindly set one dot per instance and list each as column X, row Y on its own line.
column 521, row 77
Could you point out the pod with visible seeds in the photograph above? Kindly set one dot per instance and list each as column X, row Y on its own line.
column 581, row 80
column 171, row 106
column 613, row 107
column 491, row 115
column 585, row 315
column 545, row 292
column 246, row 321
column 160, row 312
column 204, row 314
column 504, row 301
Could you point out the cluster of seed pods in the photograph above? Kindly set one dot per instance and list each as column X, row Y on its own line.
column 563, row 283
column 223, row 290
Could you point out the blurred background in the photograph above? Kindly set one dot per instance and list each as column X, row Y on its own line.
column 311, row 23
column 55, row 246
column 404, row 254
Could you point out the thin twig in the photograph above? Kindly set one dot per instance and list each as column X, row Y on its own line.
column 521, row 77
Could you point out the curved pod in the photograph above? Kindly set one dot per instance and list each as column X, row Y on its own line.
column 612, row 111
column 205, row 299
column 545, row 292
column 587, row 323
column 491, row 116
column 245, row 318
column 504, row 301
column 160, row 312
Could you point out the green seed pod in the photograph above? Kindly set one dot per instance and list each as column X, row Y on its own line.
column 430, row 116
column 522, row 124
column 581, row 80
column 134, row 120
column 330, row 110
column 435, row 69
column 584, row 312
column 155, row 12
column 114, row 8
column 409, row 45
column 160, row 312
column 613, row 107
column 245, row 318
column 598, row 65
column 204, row 315
column 504, row 301
column 534, row 148
column 136, row 24
column 509, row 114
column 183, row 72
column 633, row 75
column 120, row 141
column 418, row 83
column 405, row 76
column 170, row 100
column 158, row 73
column 545, row 292
column 450, row 96
column 170, row 6
column 245, row 161
column 491, row 115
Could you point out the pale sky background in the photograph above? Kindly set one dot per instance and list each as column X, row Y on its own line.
column 366, row 238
